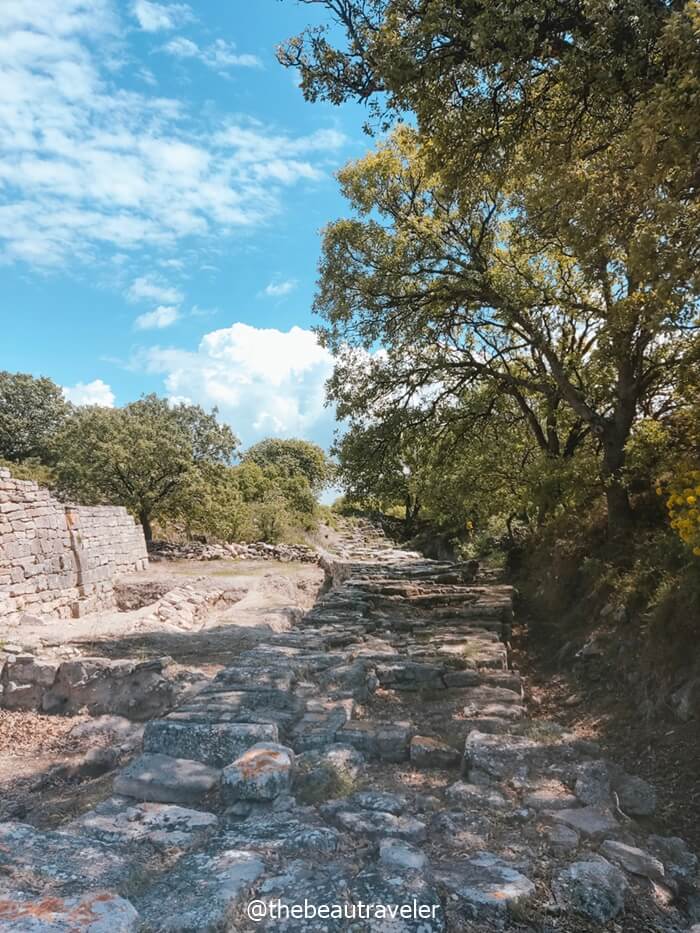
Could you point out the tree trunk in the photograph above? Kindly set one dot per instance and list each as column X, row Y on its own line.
column 412, row 507
column 617, row 498
column 619, row 508
column 145, row 519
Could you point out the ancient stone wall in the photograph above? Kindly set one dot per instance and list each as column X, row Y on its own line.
column 58, row 560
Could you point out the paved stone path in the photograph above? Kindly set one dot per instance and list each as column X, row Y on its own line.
column 374, row 766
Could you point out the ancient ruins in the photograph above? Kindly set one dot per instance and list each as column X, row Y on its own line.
column 61, row 560
column 377, row 755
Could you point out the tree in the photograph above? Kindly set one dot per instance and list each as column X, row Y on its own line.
column 142, row 456
column 458, row 290
column 545, row 215
column 31, row 411
column 383, row 464
column 210, row 504
column 292, row 457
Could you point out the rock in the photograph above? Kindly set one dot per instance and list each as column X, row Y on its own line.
column 399, row 854
column 373, row 824
column 637, row 797
column 550, row 795
column 215, row 744
column 201, row 892
column 593, row 784
column 333, row 772
column 312, row 898
column 385, row 740
column 410, row 675
column 475, row 795
column 595, row 889
column 21, row 696
column 123, row 730
column 101, row 912
column 118, row 821
column 562, row 839
column 137, row 689
column 592, row 822
column 60, row 863
column 487, row 887
column 404, row 903
column 462, row 679
column 98, row 761
column 263, row 772
column 291, row 833
column 693, row 907
column 635, row 861
column 514, row 757
column 680, row 864
column 162, row 779
column 426, row 752
column 378, row 800
column 485, row 696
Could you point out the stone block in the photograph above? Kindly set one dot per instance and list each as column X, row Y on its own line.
column 595, row 889
column 102, row 912
column 162, row 779
column 262, row 773
column 216, row 744
column 427, row 752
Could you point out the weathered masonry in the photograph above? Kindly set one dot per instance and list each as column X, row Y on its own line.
column 61, row 560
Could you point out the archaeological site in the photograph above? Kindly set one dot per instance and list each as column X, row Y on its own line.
column 185, row 739
column 350, row 466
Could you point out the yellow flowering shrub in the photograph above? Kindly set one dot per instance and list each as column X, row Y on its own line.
column 683, row 504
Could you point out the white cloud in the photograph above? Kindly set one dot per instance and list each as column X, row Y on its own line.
column 147, row 288
column 220, row 55
column 96, row 392
column 161, row 317
column 278, row 289
column 155, row 17
column 264, row 381
column 87, row 165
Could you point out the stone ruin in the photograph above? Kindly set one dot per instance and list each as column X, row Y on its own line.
column 378, row 753
column 61, row 560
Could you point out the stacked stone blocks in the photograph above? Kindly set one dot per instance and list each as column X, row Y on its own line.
column 58, row 560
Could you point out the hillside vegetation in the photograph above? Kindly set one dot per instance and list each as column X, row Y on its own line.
column 512, row 296
column 176, row 467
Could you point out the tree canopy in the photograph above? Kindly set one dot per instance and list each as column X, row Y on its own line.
column 292, row 457
column 142, row 456
column 31, row 411
column 537, row 230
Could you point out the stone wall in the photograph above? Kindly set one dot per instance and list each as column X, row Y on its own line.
column 61, row 560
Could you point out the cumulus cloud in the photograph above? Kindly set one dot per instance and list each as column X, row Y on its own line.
column 88, row 166
column 147, row 288
column 264, row 381
column 161, row 317
column 96, row 392
column 156, row 17
column 279, row 289
column 220, row 55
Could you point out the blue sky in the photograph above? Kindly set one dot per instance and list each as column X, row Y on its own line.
column 162, row 188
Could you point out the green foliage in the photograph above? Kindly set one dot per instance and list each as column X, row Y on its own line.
column 537, row 234
column 145, row 456
column 31, row 411
column 32, row 469
column 292, row 458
